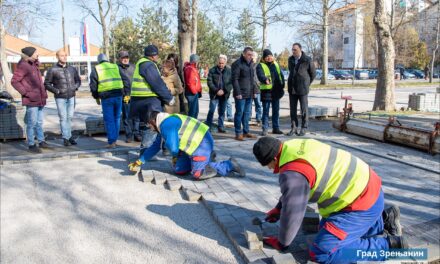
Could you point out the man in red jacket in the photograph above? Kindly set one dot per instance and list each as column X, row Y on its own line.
column 27, row 80
column 193, row 85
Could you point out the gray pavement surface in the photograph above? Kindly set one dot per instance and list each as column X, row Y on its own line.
column 90, row 211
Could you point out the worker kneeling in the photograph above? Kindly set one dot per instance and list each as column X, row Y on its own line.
column 191, row 146
column 349, row 196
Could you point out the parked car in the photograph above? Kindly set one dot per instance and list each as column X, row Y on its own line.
column 418, row 73
column 408, row 75
column 342, row 75
column 319, row 75
column 286, row 74
column 361, row 75
column 372, row 74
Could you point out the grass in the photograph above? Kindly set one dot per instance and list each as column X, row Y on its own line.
column 358, row 85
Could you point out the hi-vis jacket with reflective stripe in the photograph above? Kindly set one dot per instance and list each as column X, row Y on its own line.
column 140, row 87
column 266, row 71
column 191, row 133
column 340, row 176
column 109, row 77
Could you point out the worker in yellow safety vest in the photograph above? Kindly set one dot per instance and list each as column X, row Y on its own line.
column 106, row 85
column 349, row 197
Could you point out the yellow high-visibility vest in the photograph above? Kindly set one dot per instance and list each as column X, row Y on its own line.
column 109, row 77
column 191, row 133
column 140, row 87
column 266, row 71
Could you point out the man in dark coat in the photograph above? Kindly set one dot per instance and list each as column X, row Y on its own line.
column 27, row 80
column 245, row 90
column 220, row 86
column 63, row 81
column 272, row 90
column 301, row 74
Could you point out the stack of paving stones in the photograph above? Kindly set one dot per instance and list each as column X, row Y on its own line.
column 233, row 204
column 95, row 125
column 12, row 122
column 322, row 111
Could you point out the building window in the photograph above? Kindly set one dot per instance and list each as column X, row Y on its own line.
column 346, row 40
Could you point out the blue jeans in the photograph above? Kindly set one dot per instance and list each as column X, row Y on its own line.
column 242, row 115
column 275, row 114
column 66, row 108
column 349, row 230
column 229, row 108
column 34, row 124
column 258, row 107
column 131, row 125
column 193, row 105
column 221, row 102
column 111, row 109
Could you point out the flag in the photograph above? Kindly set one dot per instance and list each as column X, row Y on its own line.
column 84, row 41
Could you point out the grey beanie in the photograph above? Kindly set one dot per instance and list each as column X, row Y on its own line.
column 102, row 57
column 194, row 58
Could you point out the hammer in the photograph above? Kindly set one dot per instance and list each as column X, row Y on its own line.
column 258, row 221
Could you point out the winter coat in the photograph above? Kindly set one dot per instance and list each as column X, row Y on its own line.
column 27, row 80
column 174, row 85
column 277, row 91
column 193, row 85
column 213, row 81
column 128, row 70
column 243, row 79
column 107, row 94
column 63, row 82
column 301, row 75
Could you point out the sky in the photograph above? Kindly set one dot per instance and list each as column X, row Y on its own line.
column 50, row 35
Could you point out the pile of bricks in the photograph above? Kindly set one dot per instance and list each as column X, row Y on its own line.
column 321, row 111
column 12, row 122
column 95, row 125
column 429, row 102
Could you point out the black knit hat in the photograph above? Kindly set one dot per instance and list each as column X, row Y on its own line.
column 151, row 50
column 266, row 149
column 266, row 53
column 28, row 51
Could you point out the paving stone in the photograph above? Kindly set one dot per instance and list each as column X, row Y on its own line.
column 269, row 229
column 255, row 245
column 311, row 218
column 147, row 175
column 252, row 236
column 283, row 259
column 191, row 195
column 159, row 178
column 311, row 228
column 173, row 185
column 227, row 221
column 220, row 212
column 239, row 213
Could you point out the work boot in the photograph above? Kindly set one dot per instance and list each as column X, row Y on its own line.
column 277, row 131
column 239, row 137
column 293, row 130
column 249, row 135
column 237, row 168
column 397, row 242
column 221, row 130
column 34, row 149
column 208, row 172
column 43, row 144
column 66, row 142
column 391, row 220
column 72, row 141
column 302, row 132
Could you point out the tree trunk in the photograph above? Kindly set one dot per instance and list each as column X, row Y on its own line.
column 4, row 65
column 264, row 15
column 184, row 27
column 384, row 98
column 194, row 15
column 434, row 51
column 105, row 36
column 325, row 11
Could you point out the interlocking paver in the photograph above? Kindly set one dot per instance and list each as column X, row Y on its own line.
column 283, row 259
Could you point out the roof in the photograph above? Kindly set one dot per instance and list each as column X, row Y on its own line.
column 94, row 50
column 350, row 6
column 14, row 46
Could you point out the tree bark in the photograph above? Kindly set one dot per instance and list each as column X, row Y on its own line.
column 4, row 65
column 185, row 28
column 105, row 35
column 194, row 15
column 325, row 11
column 434, row 51
column 264, row 24
column 384, row 98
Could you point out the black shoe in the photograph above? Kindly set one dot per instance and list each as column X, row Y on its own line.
column 391, row 220
column 43, row 144
column 277, row 131
column 397, row 242
column 72, row 141
column 237, row 168
column 137, row 138
column 67, row 142
column 221, row 130
column 302, row 132
column 34, row 149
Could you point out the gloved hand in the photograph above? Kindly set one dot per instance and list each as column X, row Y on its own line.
column 126, row 99
column 135, row 166
column 172, row 102
column 273, row 215
column 98, row 101
column 273, row 242
column 174, row 161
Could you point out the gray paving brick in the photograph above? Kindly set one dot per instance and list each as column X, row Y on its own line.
column 311, row 218
column 173, row 185
column 283, row 259
column 147, row 175
column 251, row 236
column 255, row 245
column 227, row 221
column 159, row 178
column 238, row 213
column 191, row 195
column 220, row 212
column 253, row 233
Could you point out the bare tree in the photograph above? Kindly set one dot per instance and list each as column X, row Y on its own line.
column 435, row 49
column 384, row 98
column 105, row 15
column 194, row 15
column 17, row 17
column 185, row 30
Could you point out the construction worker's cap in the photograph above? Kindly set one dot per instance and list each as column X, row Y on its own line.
column 151, row 50
column 102, row 57
column 266, row 149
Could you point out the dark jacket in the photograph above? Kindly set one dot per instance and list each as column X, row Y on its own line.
column 63, row 82
column 128, row 70
column 243, row 78
column 277, row 91
column 27, row 80
column 214, row 80
column 107, row 94
column 301, row 75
